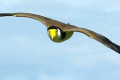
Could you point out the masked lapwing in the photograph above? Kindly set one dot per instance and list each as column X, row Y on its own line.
column 59, row 31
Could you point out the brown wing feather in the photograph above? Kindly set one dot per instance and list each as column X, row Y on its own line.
column 96, row 36
column 46, row 21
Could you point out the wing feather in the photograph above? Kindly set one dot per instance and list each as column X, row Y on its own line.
column 46, row 21
column 100, row 38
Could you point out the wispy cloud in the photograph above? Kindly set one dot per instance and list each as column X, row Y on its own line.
column 112, row 9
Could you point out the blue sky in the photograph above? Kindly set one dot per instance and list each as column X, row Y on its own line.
column 27, row 53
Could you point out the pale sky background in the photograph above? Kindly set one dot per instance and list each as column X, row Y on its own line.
column 27, row 53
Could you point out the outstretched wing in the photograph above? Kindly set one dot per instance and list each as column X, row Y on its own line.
column 67, row 27
column 102, row 39
column 46, row 21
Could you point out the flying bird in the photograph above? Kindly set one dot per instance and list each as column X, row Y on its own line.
column 59, row 31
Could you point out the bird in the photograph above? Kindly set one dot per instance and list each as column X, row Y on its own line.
column 59, row 31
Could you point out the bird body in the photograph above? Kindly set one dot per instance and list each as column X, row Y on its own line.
column 57, row 35
column 59, row 31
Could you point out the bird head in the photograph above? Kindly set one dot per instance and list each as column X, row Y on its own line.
column 55, row 33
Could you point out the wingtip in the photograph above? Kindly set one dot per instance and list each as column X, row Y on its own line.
column 112, row 45
column 5, row 14
column 115, row 47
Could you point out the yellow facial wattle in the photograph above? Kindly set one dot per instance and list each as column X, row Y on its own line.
column 53, row 33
